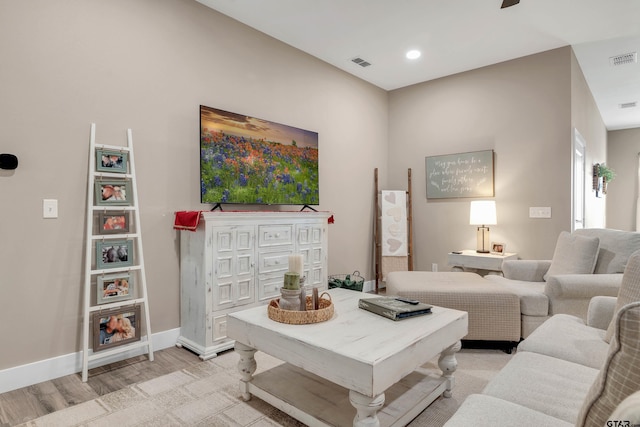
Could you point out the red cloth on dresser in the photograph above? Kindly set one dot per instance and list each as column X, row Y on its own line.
column 187, row 220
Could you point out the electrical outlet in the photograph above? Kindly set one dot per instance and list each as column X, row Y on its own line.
column 434, row 267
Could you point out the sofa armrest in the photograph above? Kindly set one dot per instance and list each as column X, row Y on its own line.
column 600, row 312
column 583, row 285
column 627, row 410
column 525, row 269
column 571, row 293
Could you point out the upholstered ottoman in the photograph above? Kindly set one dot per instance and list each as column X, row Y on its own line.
column 494, row 313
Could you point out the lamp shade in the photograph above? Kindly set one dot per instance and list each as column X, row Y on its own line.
column 483, row 212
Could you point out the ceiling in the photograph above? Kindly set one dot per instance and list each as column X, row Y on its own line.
column 456, row 36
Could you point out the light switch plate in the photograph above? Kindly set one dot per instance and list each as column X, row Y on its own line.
column 50, row 208
column 540, row 212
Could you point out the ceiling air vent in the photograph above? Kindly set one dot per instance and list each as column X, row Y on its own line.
column 361, row 62
column 629, row 104
column 626, row 58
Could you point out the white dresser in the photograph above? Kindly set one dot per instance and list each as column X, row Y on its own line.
column 237, row 260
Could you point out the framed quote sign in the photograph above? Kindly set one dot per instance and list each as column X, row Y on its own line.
column 460, row 175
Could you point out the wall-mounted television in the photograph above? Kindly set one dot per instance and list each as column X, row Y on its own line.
column 246, row 160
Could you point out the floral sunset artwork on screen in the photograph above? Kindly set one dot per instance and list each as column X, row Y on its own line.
column 249, row 160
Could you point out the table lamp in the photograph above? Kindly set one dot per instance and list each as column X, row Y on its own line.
column 482, row 213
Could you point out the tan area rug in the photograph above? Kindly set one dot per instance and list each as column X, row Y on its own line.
column 207, row 394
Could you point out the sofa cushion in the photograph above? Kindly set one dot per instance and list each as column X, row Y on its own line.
column 616, row 247
column 543, row 383
column 620, row 375
column 629, row 289
column 567, row 337
column 479, row 409
column 574, row 254
column 533, row 300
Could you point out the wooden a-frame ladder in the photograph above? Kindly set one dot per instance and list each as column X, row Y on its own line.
column 132, row 235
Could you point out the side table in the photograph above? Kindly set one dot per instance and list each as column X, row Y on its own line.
column 469, row 259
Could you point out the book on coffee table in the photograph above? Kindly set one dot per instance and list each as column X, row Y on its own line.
column 394, row 308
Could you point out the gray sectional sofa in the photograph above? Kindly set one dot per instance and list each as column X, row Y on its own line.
column 570, row 371
column 586, row 263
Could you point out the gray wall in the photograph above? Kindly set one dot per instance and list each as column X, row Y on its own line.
column 522, row 109
column 147, row 65
column 585, row 118
column 622, row 192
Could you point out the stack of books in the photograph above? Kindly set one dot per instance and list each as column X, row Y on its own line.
column 394, row 308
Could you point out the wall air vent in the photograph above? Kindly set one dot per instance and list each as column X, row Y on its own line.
column 629, row 104
column 626, row 58
column 361, row 62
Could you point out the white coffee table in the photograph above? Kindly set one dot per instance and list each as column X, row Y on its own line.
column 356, row 359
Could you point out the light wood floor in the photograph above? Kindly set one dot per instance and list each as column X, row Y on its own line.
column 28, row 403
column 25, row 404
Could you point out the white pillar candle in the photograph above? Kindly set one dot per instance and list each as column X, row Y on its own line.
column 296, row 263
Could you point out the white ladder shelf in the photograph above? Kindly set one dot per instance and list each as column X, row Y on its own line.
column 94, row 308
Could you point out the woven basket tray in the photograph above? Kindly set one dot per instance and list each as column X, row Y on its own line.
column 324, row 313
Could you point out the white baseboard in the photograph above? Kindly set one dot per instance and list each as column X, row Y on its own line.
column 56, row 367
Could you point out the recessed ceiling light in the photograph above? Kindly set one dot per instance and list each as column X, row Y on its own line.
column 413, row 54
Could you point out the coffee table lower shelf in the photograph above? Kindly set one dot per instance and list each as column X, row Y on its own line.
column 318, row 402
